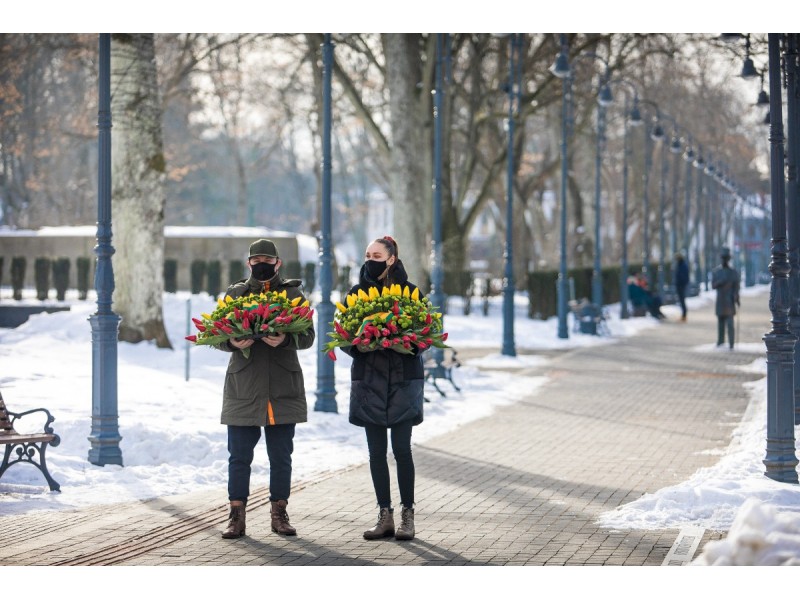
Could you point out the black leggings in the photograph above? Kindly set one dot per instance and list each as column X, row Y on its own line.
column 379, row 467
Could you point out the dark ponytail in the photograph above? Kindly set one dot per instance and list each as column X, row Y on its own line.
column 390, row 244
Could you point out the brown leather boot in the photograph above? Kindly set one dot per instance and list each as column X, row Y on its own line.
column 280, row 519
column 383, row 528
column 236, row 524
column 406, row 529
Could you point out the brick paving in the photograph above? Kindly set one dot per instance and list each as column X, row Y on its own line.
column 523, row 486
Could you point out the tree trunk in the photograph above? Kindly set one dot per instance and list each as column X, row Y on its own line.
column 410, row 187
column 138, row 169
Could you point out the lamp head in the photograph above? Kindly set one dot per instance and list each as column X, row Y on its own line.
column 675, row 147
column 748, row 69
column 657, row 133
column 635, row 117
column 604, row 98
column 560, row 68
column 763, row 98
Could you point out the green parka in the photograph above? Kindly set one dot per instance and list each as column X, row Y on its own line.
column 267, row 388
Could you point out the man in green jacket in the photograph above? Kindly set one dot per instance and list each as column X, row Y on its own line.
column 265, row 389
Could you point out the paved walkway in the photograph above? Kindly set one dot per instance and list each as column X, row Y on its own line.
column 523, row 486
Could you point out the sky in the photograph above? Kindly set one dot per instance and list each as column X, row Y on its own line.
column 173, row 443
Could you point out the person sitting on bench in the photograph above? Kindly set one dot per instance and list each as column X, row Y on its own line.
column 641, row 295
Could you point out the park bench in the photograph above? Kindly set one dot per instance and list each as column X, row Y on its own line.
column 588, row 318
column 445, row 371
column 25, row 447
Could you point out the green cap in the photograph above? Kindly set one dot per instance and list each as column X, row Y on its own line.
column 263, row 247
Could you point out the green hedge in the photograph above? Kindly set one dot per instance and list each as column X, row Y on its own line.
column 61, row 277
column 214, row 278
column 83, row 264
column 171, row 275
column 18, row 266
column 543, row 295
column 198, row 274
column 41, row 274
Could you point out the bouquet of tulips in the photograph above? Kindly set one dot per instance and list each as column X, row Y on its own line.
column 252, row 317
column 393, row 318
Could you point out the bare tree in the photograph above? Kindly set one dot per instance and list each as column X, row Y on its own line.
column 138, row 169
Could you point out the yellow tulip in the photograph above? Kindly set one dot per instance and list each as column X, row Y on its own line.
column 205, row 316
column 306, row 303
column 351, row 299
column 406, row 293
column 385, row 292
column 340, row 307
column 283, row 293
column 415, row 294
column 373, row 293
column 228, row 299
column 362, row 295
column 220, row 303
column 296, row 301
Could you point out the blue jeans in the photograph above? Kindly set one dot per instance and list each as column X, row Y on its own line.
column 242, row 441
column 379, row 468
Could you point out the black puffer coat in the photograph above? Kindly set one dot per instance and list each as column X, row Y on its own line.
column 386, row 386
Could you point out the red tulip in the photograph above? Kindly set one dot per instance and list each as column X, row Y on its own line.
column 191, row 338
column 386, row 343
column 332, row 355
column 226, row 329
column 428, row 318
column 200, row 327
column 444, row 336
column 396, row 308
column 425, row 330
column 422, row 345
column 197, row 321
column 246, row 323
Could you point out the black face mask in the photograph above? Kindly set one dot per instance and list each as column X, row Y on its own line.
column 375, row 268
column 263, row 271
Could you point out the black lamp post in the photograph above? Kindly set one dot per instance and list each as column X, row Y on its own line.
column 631, row 116
column 561, row 69
column 781, row 460
column 604, row 99
column 687, row 188
column 514, row 92
column 437, row 274
column 654, row 134
column 104, row 436
column 699, row 163
column 326, row 378
column 791, row 69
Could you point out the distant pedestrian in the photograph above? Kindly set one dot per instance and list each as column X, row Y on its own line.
column 725, row 280
column 641, row 296
column 681, row 279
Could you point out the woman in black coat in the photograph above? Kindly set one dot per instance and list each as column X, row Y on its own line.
column 386, row 394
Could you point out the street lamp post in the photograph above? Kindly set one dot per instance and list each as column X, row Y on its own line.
column 633, row 117
column 437, row 275
column 655, row 133
column 603, row 100
column 326, row 379
column 514, row 92
column 700, row 240
column 687, row 211
column 104, row 436
column 780, row 460
column 793, row 199
column 561, row 69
